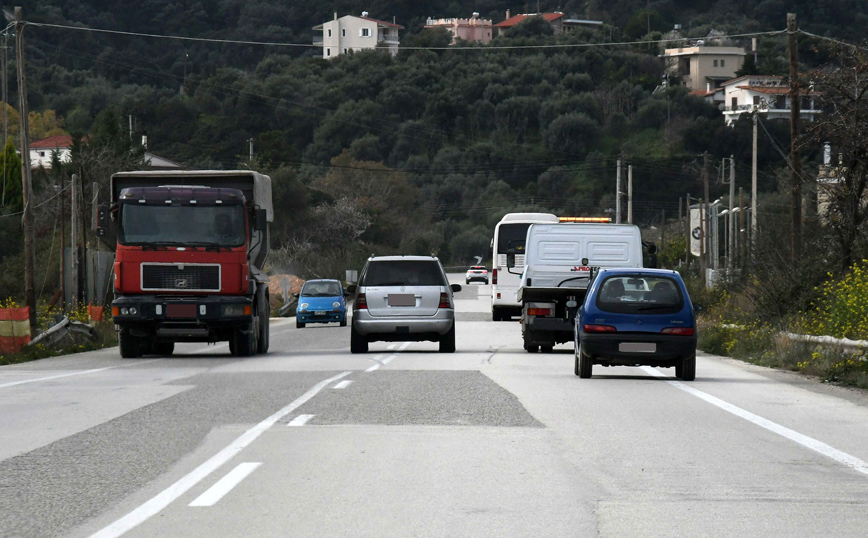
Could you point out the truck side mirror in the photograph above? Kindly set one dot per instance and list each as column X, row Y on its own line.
column 261, row 220
column 351, row 289
column 510, row 260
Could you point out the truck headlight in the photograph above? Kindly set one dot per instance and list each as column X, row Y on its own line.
column 233, row 310
column 125, row 311
column 133, row 311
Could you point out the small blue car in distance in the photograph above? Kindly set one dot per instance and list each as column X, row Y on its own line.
column 321, row 301
column 636, row 317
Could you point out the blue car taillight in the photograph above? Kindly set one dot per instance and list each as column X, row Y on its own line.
column 682, row 331
column 599, row 329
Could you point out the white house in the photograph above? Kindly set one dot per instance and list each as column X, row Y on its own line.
column 341, row 35
column 768, row 94
column 703, row 68
column 41, row 150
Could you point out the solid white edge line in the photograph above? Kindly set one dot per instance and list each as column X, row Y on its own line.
column 83, row 372
column 802, row 439
column 300, row 420
column 343, row 384
column 167, row 496
column 225, row 484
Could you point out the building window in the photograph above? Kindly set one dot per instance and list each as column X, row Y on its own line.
column 756, row 100
column 343, row 32
column 328, row 52
column 330, row 32
column 364, row 32
column 723, row 63
column 734, row 105
column 715, row 63
column 346, row 50
column 42, row 154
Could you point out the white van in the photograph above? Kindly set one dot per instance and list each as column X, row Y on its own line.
column 510, row 232
column 558, row 265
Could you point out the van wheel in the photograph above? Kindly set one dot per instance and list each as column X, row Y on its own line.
column 358, row 343
column 495, row 316
column 531, row 348
column 447, row 341
column 129, row 345
column 688, row 370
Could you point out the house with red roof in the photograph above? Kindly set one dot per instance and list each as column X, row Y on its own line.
column 41, row 150
column 769, row 95
column 560, row 23
column 351, row 33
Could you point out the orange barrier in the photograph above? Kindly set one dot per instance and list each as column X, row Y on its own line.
column 14, row 329
column 94, row 312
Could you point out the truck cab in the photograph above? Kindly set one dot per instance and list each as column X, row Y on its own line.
column 188, row 258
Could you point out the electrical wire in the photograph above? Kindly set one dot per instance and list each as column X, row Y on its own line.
column 473, row 48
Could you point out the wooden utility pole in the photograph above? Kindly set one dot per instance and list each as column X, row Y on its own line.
column 706, row 236
column 630, row 194
column 663, row 229
column 618, row 194
column 702, row 252
column 741, row 226
column 730, row 252
column 62, row 248
column 753, row 172
column 688, row 229
column 795, row 112
column 73, row 233
column 27, row 185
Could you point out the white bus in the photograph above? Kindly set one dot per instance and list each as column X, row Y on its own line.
column 510, row 232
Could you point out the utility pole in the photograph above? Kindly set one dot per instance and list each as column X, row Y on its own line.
column 27, row 187
column 731, row 241
column 741, row 226
column 618, row 194
column 688, row 229
column 663, row 228
column 753, row 195
column 251, row 151
column 73, row 233
column 62, row 248
column 630, row 194
column 795, row 112
column 706, row 235
column 702, row 251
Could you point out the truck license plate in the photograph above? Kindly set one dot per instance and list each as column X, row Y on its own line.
column 637, row 347
column 402, row 299
column 181, row 310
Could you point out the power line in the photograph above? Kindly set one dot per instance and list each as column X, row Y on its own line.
column 312, row 45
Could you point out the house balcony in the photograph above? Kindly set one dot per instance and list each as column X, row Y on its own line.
column 317, row 40
column 731, row 114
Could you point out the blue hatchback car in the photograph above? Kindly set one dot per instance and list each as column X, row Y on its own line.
column 636, row 317
column 321, row 301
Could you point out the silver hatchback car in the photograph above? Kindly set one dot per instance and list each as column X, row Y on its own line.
column 401, row 299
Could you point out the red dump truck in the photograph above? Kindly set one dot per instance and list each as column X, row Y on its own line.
column 190, row 247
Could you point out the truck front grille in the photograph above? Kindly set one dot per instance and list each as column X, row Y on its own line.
column 180, row 277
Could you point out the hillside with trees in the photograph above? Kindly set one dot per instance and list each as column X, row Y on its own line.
column 424, row 151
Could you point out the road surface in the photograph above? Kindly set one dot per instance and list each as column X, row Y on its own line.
column 310, row 440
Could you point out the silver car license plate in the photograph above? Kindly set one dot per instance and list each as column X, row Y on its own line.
column 402, row 299
column 637, row 347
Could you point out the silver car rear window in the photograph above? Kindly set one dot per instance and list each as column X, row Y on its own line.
column 404, row 273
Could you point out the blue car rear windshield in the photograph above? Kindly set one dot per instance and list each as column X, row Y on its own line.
column 640, row 295
column 321, row 289
column 404, row 273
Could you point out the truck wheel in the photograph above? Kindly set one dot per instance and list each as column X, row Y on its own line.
column 496, row 315
column 129, row 345
column 358, row 343
column 264, row 327
column 245, row 343
column 447, row 341
column 688, row 372
column 531, row 348
column 163, row 348
column 546, row 349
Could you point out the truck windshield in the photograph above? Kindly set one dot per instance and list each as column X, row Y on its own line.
column 182, row 225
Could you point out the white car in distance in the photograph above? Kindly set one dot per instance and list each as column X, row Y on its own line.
column 477, row 273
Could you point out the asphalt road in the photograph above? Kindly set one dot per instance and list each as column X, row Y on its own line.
column 310, row 440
